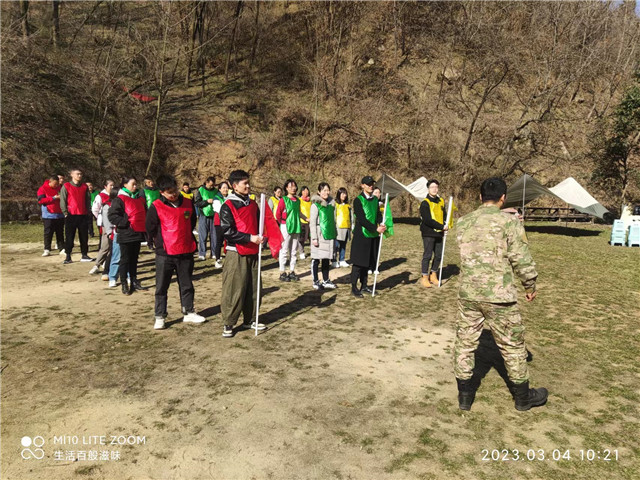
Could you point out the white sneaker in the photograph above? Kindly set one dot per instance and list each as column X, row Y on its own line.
column 46, row 253
column 159, row 325
column 62, row 252
column 302, row 256
column 218, row 264
column 144, row 244
column 104, row 278
column 201, row 257
column 94, row 270
column 193, row 317
column 112, row 283
column 336, row 264
column 195, row 232
column 344, row 264
column 261, row 326
column 370, row 272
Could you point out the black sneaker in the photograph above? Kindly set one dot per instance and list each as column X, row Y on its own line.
column 293, row 277
column 86, row 258
column 366, row 289
column 356, row 293
column 227, row 332
column 136, row 285
column 67, row 261
column 284, row 277
column 317, row 285
column 329, row 284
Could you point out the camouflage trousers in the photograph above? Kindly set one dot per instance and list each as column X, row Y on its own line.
column 508, row 330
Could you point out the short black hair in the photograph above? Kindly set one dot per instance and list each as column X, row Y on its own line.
column 148, row 178
column 76, row 169
column 127, row 178
column 224, row 183
column 303, row 188
column 289, row 182
column 492, row 189
column 186, row 183
column 276, row 188
column 211, row 179
column 165, row 182
column 106, row 182
column 321, row 185
column 429, row 182
column 237, row 176
column 54, row 177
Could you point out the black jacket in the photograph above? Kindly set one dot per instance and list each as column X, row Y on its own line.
column 120, row 219
column 363, row 249
column 428, row 225
column 228, row 223
column 154, row 231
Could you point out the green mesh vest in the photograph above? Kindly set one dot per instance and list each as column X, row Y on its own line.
column 370, row 208
column 293, row 215
column 327, row 221
column 206, row 195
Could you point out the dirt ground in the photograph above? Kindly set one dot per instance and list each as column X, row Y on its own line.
column 337, row 387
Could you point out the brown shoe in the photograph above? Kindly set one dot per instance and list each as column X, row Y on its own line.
column 433, row 278
column 425, row 281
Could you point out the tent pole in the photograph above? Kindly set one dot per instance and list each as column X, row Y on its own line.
column 524, row 189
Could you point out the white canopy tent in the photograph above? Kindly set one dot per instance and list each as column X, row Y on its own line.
column 526, row 189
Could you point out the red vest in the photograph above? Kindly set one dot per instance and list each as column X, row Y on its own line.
column 76, row 199
column 175, row 224
column 106, row 198
column 134, row 208
column 246, row 222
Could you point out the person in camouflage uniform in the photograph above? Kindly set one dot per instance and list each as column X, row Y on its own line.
column 494, row 249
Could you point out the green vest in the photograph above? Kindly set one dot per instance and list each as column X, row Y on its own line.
column 206, row 195
column 327, row 221
column 293, row 215
column 370, row 208
column 151, row 196
column 94, row 195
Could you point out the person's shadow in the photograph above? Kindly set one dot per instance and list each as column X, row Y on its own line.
column 306, row 301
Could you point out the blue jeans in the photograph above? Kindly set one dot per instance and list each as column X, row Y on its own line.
column 341, row 247
column 206, row 228
column 115, row 259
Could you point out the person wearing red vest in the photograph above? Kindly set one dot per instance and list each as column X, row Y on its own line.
column 100, row 210
column 52, row 217
column 75, row 203
column 240, row 220
column 170, row 223
column 128, row 215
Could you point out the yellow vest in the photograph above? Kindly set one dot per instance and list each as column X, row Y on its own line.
column 187, row 195
column 437, row 210
column 252, row 196
column 343, row 215
column 305, row 209
column 275, row 202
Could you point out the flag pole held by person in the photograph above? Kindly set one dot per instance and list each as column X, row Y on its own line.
column 386, row 220
column 444, row 239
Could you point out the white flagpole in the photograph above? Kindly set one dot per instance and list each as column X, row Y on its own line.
column 524, row 189
column 261, row 231
column 384, row 218
column 444, row 240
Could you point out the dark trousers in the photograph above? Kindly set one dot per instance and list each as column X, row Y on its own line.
column 431, row 245
column 206, row 229
column 129, row 253
column 305, row 234
column 165, row 266
column 358, row 273
column 239, row 288
column 325, row 268
column 90, row 222
column 51, row 226
column 79, row 223
column 219, row 241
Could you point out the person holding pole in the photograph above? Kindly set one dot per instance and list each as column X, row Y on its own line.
column 367, row 228
column 169, row 223
column 432, row 227
column 240, row 221
column 493, row 251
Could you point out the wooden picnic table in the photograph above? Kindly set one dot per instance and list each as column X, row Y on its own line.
column 555, row 213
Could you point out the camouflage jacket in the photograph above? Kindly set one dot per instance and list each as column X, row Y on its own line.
column 493, row 247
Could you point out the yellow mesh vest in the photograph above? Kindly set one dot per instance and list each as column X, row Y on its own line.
column 437, row 210
column 343, row 215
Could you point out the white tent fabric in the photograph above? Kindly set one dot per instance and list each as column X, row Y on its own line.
column 575, row 195
column 569, row 191
column 394, row 188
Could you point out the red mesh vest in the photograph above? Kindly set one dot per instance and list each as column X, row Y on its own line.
column 246, row 220
column 76, row 199
column 134, row 208
column 175, row 224
column 106, row 199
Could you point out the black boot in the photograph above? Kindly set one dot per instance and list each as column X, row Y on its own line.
column 466, row 394
column 136, row 285
column 125, row 288
column 526, row 397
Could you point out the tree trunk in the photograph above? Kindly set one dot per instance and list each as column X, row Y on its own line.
column 256, row 36
column 55, row 24
column 233, row 40
column 24, row 18
column 160, row 91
